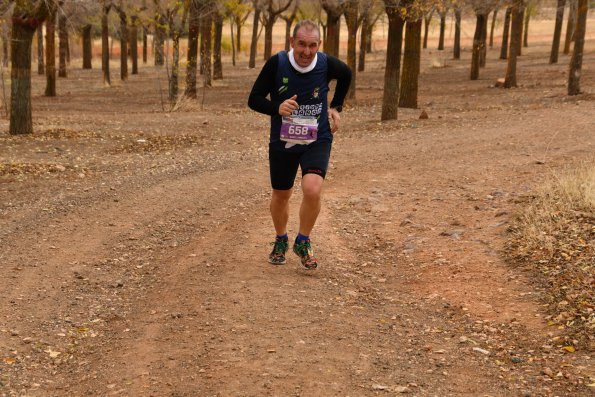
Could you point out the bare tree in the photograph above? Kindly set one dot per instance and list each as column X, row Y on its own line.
column 442, row 8
column 574, row 76
column 160, row 24
column 481, row 10
column 351, row 8
column 411, row 63
column 270, row 13
column 105, row 58
column 557, row 31
column 515, row 42
column 206, row 26
column 26, row 18
column 5, row 31
column 456, row 52
column 254, row 44
column 217, row 64
column 289, row 19
column 50, row 50
column 505, row 34
column 192, row 57
column 494, row 18
column 572, row 15
column 334, row 10
column 427, row 20
column 121, row 10
column 390, row 97
column 87, row 46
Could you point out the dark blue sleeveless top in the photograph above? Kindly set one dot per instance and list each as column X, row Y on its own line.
column 312, row 96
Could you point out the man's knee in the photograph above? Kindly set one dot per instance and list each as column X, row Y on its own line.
column 312, row 186
column 281, row 196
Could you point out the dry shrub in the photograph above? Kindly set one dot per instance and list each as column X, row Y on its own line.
column 186, row 104
column 554, row 236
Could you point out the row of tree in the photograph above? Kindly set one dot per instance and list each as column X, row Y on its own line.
column 202, row 21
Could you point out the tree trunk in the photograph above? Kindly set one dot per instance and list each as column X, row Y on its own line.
column 5, row 39
column 87, row 47
column 515, row 42
column 505, row 33
column 238, row 22
column 351, row 17
column 175, row 67
column 20, row 76
column 40, row 56
column 159, row 41
column 363, row 44
column 457, row 45
column 484, row 43
column 475, row 57
column 526, row 29
column 427, row 21
column 105, row 58
column 390, row 98
column 520, row 49
column 333, row 34
column 268, row 38
column 50, row 53
column 62, row 45
column 205, row 54
column 67, row 47
column 192, row 57
column 369, row 32
column 557, row 31
column 133, row 43
column 572, row 12
column 574, row 76
column 145, row 57
column 442, row 30
column 217, row 65
column 123, row 45
column 411, row 65
column 288, row 23
column 494, row 16
column 233, row 42
column 254, row 43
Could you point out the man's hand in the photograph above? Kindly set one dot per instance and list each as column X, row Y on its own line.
column 288, row 106
column 335, row 119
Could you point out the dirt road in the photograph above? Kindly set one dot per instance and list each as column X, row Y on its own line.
column 134, row 245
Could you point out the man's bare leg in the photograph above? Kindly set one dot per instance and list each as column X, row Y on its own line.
column 280, row 210
column 310, row 208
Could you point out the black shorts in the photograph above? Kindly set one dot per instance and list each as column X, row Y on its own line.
column 284, row 164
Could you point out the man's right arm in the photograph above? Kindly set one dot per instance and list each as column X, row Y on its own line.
column 263, row 86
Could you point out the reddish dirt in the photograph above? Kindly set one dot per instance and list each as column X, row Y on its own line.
column 134, row 242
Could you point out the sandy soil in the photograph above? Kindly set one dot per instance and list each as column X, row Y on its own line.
column 134, row 242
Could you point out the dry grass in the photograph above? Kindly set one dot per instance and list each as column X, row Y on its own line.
column 554, row 235
column 563, row 198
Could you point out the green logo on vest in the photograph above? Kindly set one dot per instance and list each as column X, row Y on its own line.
column 285, row 80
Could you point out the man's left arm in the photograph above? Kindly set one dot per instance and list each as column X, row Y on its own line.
column 338, row 70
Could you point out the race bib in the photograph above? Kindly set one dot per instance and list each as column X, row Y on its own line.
column 300, row 130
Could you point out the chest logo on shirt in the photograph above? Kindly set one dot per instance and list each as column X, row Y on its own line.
column 315, row 93
column 285, row 80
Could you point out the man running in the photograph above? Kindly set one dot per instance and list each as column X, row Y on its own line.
column 301, row 134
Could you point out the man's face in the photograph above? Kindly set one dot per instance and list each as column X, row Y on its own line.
column 305, row 45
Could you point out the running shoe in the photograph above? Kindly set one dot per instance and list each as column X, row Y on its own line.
column 303, row 249
column 277, row 256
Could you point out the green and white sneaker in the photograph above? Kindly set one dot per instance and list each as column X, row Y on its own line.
column 277, row 256
column 303, row 249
